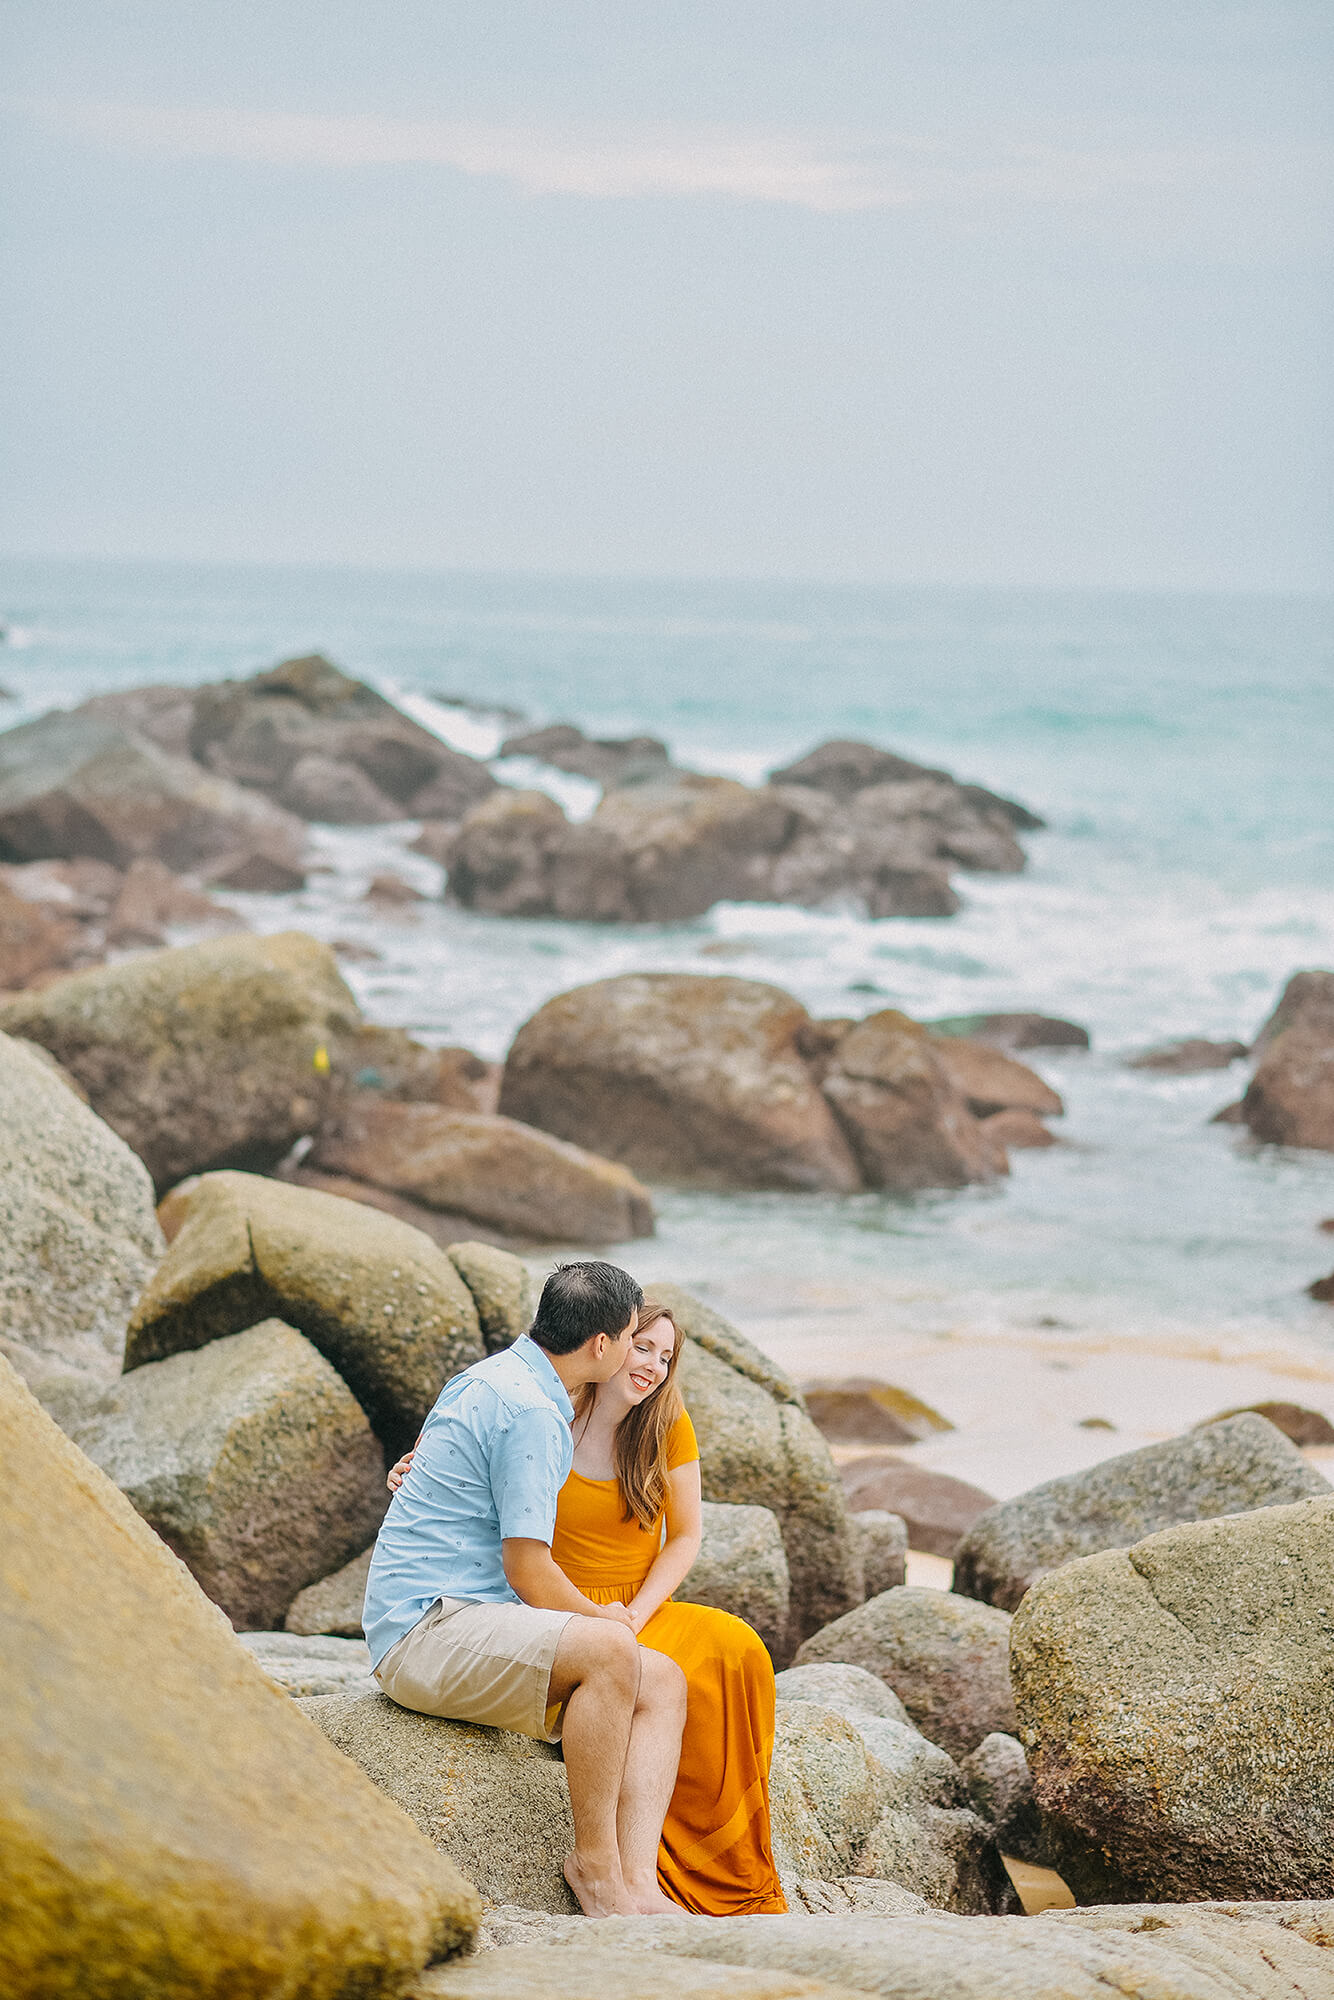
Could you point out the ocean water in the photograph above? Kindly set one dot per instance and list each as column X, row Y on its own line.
column 1181, row 750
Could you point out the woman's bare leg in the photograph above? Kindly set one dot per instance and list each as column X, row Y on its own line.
column 652, row 1757
column 596, row 1673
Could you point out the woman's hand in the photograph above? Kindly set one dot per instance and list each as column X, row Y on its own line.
column 397, row 1473
column 619, row 1615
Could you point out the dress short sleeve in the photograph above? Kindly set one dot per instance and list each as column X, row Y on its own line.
column 682, row 1444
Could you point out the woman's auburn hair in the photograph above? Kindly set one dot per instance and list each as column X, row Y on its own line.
column 639, row 1449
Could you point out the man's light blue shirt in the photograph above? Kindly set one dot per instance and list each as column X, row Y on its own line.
column 489, row 1465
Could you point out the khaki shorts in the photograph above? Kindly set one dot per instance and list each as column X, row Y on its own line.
column 476, row 1661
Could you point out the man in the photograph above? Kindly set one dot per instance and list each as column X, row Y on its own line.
column 468, row 1616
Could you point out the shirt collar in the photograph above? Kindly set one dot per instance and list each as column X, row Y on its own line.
column 531, row 1354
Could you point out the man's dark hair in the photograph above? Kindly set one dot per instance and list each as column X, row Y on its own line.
column 579, row 1300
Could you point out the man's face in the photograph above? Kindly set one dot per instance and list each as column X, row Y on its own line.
column 615, row 1350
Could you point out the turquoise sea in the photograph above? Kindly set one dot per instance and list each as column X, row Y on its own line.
column 1181, row 749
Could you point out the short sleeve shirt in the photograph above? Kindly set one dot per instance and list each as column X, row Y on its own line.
column 488, row 1468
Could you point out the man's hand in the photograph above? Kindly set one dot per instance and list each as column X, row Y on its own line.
column 397, row 1473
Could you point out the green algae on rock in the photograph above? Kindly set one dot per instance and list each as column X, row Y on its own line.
column 379, row 1300
column 169, row 1821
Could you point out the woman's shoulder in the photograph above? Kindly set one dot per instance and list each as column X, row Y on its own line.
column 682, row 1444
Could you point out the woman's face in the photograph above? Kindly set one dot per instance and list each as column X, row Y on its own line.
column 650, row 1357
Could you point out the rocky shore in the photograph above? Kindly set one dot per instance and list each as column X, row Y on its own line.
column 247, row 1233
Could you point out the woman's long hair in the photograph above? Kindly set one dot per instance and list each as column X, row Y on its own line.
column 639, row 1444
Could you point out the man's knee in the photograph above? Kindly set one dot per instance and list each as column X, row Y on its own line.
column 661, row 1681
column 605, row 1652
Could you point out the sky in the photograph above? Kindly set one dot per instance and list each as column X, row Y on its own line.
column 1029, row 293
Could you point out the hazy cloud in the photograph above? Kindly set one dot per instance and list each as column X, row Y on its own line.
column 825, row 173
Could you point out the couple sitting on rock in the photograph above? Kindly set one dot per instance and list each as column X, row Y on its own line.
column 523, row 1578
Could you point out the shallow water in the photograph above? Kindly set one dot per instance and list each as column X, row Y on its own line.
column 1180, row 749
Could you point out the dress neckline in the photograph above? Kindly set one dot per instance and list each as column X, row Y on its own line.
column 576, row 1474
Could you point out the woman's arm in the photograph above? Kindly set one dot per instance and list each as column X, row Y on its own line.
column 679, row 1550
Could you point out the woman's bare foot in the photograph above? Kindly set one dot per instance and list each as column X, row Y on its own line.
column 601, row 1894
column 650, row 1901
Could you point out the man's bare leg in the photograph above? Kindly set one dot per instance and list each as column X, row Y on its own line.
column 596, row 1674
column 650, row 1774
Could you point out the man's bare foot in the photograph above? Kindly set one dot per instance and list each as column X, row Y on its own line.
column 599, row 1895
column 650, row 1901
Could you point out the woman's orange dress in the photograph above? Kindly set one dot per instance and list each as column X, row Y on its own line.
column 716, row 1855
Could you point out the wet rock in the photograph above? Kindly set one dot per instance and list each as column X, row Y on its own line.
column 608, row 761
column 378, row 1299
column 843, row 769
column 72, row 785
column 33, row 942
column 500, row 856
column 333, row 791
column 390, row 889
column 1000, row 1785
column 170, row 1821
column 496, row 1803
column 683, row 1078
column 1017, row 1131
column 332, row 1606
column 908, row 1124
column 251, row 1459
column 759, row 1448
column 1015, row 1031
column 203, row 1056
column 150, row 899
column 1300, row 1426
column 742, row 1568
column 1322, row 1290
column 1169, row 1697
column 946, row 1657
column 308, row 713
column 1290, row 1099
column 502, row 1291
column 937, row 1509
column 1189, row 1057
column 860, row 1410
column 492, row 1169
column 78, row 1236
column 883, row 1542
column 311, row 1665
column 258, row 875
column 163, row 714
column 890, row 851
column 1227, row 1468
column 991, row 1081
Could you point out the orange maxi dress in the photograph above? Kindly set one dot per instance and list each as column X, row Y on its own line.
column 716, row 1856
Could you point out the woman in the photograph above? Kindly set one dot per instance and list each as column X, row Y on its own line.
column 628, row 1530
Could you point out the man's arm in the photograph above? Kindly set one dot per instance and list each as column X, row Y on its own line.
column 533, row 1574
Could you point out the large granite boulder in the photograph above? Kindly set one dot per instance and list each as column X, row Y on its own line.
column 253, row 1461
column 759, row 1448
column 379, row 1300
column 946, row 1657
column 496, row 1803
column 742, row 1568
column 882, row 1539
column 491, row 1169
column 308, row 732
column 1176, row 1699
column 1228, row 1467
column 1290, row 1098
column 75, row 784
column 909, row 1124
column 502, row 1291
column 607, row 760
column 683, row 1078
column 208, row 1055
column 857, row 1791
column 78, row 1236
column 1000, row 1785
column 1234, row 1951
column 844, row 768
column 990, row 1081
column 169, row 1821
column 936, row 1509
